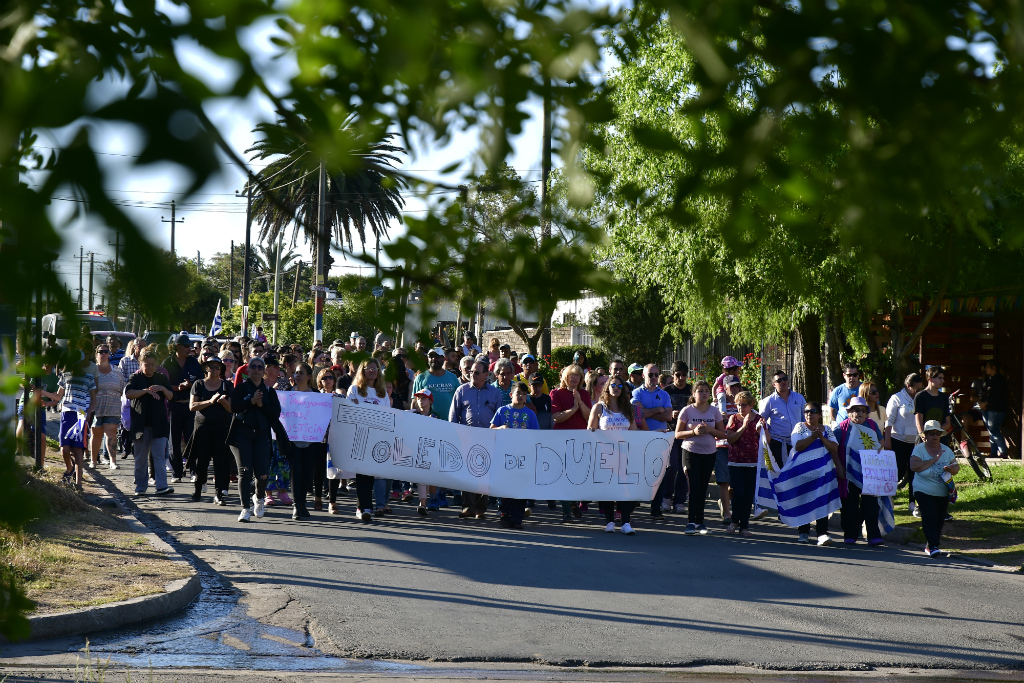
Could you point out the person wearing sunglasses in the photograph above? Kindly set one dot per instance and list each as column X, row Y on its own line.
column 804, row 435
column 474, row 405
column 840, row 397
column 107, row 407
column 782, row 410
column 871, row 393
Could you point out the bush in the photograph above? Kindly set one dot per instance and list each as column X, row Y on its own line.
column 596, row 358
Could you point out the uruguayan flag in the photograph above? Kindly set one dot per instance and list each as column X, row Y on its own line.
column 806, row 489
column 216, row 327
column 767, row 469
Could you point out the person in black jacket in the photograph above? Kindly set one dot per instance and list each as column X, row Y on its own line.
column 256, row 409
column 996, row 403
column 209, row 401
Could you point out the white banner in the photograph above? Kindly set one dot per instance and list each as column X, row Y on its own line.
column 507, row 463
column 878, row 469
column 305, row 414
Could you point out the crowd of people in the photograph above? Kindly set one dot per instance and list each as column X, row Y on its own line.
column 180, row 409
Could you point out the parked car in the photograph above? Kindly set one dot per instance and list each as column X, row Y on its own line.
column 64, row 329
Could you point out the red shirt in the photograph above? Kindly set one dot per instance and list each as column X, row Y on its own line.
column 561, row 400
column 746, row 450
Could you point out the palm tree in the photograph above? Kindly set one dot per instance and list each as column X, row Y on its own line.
column 365, row 195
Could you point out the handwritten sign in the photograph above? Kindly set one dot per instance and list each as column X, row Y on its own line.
column 879, row 470
column 513, row 463
column 305, row 414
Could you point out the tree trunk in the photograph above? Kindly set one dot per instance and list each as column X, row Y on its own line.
column 543, row 324
column 807, row 361
column 833, row 350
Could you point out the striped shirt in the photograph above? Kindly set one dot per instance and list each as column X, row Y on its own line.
column 76, row 391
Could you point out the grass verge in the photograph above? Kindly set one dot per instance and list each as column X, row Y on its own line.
column 988, row 516
column 76, row 554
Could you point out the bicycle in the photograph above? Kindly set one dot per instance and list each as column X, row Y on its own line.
column 968, row 448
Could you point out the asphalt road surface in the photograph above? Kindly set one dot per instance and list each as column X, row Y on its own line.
column 445, row 589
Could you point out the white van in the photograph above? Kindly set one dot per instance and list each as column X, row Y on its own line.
column 64, row 329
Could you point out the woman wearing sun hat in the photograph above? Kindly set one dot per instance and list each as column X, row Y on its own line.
column 933, row 463
column 858, row 432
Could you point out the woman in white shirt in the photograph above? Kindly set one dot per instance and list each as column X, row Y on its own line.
column 614, row 413
column 368, row 387
column 901, row 431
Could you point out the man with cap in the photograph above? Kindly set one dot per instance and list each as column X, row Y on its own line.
column 504, row 351
column 636, row 377
column 183, row 370
column 442, row 384
column 469, row 347
column 530, row 368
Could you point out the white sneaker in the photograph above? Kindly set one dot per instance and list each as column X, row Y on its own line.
column 759, row 512
column 194, row 477
column 175, row 480
column 245, row 515
column 167, row 467
column 113, row 465
column 803, row 538
column 610, row 527
column 224, row 493
column 824, row 539
column 627, row 529
column 258, row 508
column 917, row 513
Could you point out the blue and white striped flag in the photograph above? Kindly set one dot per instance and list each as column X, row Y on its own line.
column 767, row 469
column 806, row 489
column 217, row 326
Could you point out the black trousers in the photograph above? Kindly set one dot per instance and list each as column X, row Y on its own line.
column 903, row 452
column 475, row 502
column 857, row 509
column 513, row 508
column 182, row 423
column 744, row 484
column 700, row 467
column 626, row 507
column 364, row 492
column 933, row 516
column 252, row 457
column 320, row 483
column 302, row 461
column 208, row 444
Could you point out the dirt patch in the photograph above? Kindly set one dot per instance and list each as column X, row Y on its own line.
column 77, row 554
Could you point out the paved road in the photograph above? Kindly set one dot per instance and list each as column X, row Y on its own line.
column 451, row 590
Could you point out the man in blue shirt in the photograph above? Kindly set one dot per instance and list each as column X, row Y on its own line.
column 783, row 410
column 841, row 395
column 474, row 405
column 656, row 404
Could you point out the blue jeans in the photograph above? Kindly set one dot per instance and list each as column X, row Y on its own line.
column 994, row 425
column 381, row 491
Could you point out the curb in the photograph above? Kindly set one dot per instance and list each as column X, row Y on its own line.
column 177, row 594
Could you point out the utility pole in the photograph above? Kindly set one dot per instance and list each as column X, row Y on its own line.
column 245, row 264
column 231, row 273
column 199, row 261
column 323, row 243
column 295, row 285
column 81, row 264
column 117, row 263
column 92, row 262
column 545, row 221
column 173, row 224
column 277, row 280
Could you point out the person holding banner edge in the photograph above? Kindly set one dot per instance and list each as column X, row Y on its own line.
column 474, row 405
column 614, row 412
column 303, row 456
column 368, row 387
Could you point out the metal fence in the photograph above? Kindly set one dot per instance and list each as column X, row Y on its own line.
column 697, row 354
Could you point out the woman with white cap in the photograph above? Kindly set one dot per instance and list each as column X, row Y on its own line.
column 934, row 465
column 856, row 433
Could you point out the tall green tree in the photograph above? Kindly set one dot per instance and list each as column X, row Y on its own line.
column 631, row 324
